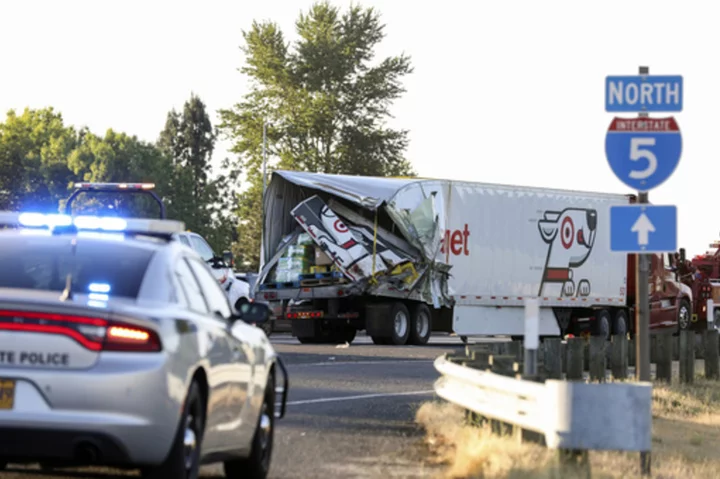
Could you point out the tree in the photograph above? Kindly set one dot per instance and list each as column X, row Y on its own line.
column 116, row 158
column 34, row 147
column 326, row 103
column 188, row 140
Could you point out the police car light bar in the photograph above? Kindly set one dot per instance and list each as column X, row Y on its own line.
column 91, row 223
column 114, row 186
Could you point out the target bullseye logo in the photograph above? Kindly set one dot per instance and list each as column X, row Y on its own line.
column 340, row 227
column 567, row 232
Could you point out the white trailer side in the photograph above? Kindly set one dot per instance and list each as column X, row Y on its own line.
column 503, row 244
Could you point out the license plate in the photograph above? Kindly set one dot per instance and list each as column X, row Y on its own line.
column 7, row 393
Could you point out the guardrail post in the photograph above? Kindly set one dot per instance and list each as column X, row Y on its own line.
column 712, row 356
column 687, row 356
column 663, row 363
column 532, row 336
column 575, row 358
column 653, row 349
column 619, row 357
column 597, row 358
column 553, row 359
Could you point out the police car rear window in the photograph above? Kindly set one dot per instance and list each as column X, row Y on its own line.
column 113, row 268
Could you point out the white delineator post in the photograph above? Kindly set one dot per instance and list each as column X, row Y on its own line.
column 532, row 337
column 710, row 314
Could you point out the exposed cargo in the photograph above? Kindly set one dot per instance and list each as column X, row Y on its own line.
column 400, row 257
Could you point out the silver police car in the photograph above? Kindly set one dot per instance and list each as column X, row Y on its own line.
column 118, row 347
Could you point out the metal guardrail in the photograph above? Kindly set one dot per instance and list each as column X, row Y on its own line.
column 571, row 416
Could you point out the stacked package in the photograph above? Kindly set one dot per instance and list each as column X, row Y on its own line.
column 297, row 260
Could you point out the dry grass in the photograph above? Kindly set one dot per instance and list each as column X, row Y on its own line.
column 686, row 434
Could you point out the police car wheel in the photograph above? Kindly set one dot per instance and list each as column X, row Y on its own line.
column 183, row 460
column 3, row 466
column 257, row 465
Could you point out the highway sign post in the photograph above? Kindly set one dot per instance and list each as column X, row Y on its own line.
column 643, row 153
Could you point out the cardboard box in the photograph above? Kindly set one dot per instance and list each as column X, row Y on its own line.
column 321, row 259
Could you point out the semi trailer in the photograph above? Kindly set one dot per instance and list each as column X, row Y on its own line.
column 403, row 257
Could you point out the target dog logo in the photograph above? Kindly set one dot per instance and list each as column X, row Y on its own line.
column 570, row 235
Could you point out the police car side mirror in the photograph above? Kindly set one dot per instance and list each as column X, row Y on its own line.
column 252, row 313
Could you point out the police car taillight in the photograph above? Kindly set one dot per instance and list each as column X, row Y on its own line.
column 93, row 333
column 124, row 337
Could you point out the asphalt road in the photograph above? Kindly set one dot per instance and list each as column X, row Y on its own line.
column 350, row 413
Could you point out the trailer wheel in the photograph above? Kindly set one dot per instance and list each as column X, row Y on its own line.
column 379, row 340
column 683, row 317
column 603, row 322
column 400, row 317
column 620, row 325
column 421, row 325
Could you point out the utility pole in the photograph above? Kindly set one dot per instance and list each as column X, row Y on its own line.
column 264, row 160
column 264, row 186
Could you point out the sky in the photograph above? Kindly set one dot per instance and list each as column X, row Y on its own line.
column 505, row 92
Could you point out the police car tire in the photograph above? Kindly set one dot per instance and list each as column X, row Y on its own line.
column 257, row 464
column 174, row 464
column 3, row 465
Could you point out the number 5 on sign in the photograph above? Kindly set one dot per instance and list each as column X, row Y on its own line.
column 637, row 154
column 643, row 152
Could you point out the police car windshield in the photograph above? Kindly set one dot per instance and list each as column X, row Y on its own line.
column 43, row 263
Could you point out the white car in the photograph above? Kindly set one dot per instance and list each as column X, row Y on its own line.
column 119, row 348
column 235, row 288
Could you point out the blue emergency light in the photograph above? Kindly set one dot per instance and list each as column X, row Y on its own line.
column 99, row 224
column 102, row 288
column 39, row 220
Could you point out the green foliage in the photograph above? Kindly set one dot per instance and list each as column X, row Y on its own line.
column 188, row 140
column 41, row 157
column 326, row 103
column 34, row 148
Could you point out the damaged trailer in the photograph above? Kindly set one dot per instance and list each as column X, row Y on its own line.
column 403, row 257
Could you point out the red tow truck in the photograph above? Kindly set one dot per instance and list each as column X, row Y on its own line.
column 702, row 275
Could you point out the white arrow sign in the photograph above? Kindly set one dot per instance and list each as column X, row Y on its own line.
column 643, row 227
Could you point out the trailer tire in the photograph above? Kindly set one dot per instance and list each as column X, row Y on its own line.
column 603, row 324
column 400, row 317
column 379, row 340
column 620, row 324
column 683, row 316
column 420, row 325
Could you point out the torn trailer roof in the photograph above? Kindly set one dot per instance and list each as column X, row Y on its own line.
column 391, row 222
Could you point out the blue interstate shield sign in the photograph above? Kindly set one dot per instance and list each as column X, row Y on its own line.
column 643, row 152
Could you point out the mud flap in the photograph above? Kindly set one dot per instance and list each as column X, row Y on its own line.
column 306, row 328
column 377, row 320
